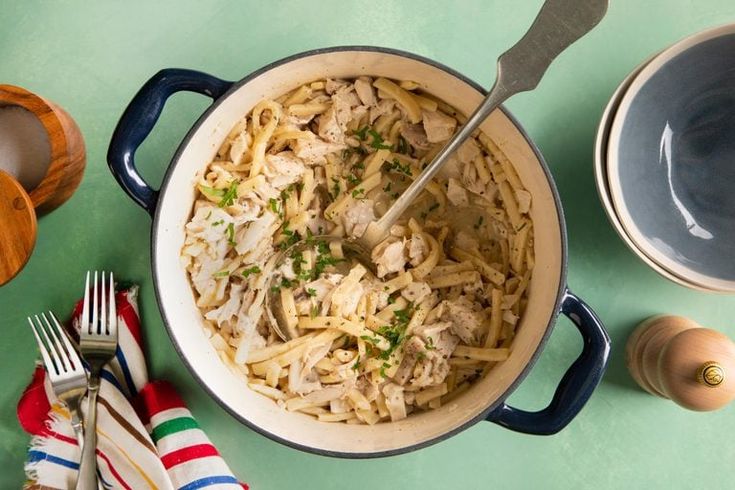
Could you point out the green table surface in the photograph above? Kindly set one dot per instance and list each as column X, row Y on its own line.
column 91, row 57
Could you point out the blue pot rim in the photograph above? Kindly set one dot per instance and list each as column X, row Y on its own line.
column 562, row 288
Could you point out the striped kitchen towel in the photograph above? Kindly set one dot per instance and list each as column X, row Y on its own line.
column 146, row 436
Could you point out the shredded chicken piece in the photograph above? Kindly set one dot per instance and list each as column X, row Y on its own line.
column 255, row 232
column 457, row 194
column 413, row 349
column 415, row 135
column 357, row 218
column 283, row 169
column 465, row 319
column 364, row 89
column 416, row 292
column 468, row 151
column 389, row 257
column 313, row 151
column 394, row 401
column 418, row 249
column 438, row 126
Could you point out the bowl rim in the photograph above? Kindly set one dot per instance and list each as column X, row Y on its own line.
column 553, row 313
column 688, row 276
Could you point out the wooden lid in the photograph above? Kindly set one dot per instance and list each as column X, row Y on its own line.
column 697, row 369
column 18, row 225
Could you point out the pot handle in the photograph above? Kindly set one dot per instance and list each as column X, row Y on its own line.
column 139, row 119
column 578, row 382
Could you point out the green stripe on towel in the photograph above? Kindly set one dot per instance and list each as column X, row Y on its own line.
column 172, row 426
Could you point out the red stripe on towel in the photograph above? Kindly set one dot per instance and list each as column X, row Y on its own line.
column 129, row 316
column 155, row 397
column 187, row 454
column 113, row 470
column 33, row 405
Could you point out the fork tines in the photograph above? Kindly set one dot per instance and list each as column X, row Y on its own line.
column 57, row 352
column 103, row 319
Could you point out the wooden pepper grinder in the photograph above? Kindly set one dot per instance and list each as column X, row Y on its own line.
column 674, row 357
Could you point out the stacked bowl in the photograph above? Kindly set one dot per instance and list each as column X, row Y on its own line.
column 665, row 161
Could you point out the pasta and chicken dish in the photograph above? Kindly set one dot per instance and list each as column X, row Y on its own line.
column 449, row 284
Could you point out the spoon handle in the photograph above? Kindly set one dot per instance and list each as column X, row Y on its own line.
column 558, row 25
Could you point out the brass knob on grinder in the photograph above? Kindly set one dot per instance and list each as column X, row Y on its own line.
column 674, row 357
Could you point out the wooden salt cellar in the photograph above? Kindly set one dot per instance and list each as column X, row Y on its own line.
column 18, row 234
column 674, row 357
column 19, row 207
column 68, row 155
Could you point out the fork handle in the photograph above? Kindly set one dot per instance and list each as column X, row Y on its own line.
column 88, row 466
column 76, row 422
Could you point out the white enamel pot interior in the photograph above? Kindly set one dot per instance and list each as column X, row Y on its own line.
column 172, row 208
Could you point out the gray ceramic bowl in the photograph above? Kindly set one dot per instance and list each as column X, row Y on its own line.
column 603, row 187
column 671, row 159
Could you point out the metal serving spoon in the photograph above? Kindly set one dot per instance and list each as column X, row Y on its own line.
column 520, row 69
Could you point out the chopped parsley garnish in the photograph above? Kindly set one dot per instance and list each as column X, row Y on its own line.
column 402, row 146
column 397, row 166
column 314, row 311
column 228, row 197
column 211, row 191
column 322, row 247
column 311, row 292
column 391, row 300
column 361, row 133
column 387, row 187
column 230, row 231
column 285, row 283
column 430, row 344
column 291, row 237
column 356, row 366
column 251, row 270
column 353, row 179
column 359, row 166
column 395, row 333
column 347, row 153
column 209, row 215
column 273, row 205
column 356, row 194
column 383, row 368
column 222, row 273
column 480, row 220
column 403, row 316
column 378, row 142
column 370, row 339
column 218, row 222
column 335, row 188
column 323, row 261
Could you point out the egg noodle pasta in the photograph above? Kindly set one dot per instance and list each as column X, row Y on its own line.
column 442, row 301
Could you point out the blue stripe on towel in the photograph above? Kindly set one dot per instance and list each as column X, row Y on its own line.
column 35, row 456
column 210, row 480
column 125, row 371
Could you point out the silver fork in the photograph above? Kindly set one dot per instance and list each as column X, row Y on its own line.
column 98, row 342
column 63, row 366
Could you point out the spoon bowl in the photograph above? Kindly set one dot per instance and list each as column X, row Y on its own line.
column 310, row 259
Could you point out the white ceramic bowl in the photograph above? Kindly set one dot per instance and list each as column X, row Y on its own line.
column 172, row 206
